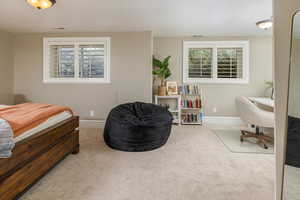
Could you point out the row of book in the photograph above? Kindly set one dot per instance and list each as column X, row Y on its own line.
column 191, row 102
column 165, row 105
column 191, row 117
column 191, row 89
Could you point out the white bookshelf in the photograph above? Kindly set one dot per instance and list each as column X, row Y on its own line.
column 191, row 123
column 192, row 105
column 190, row 108
column 186, row 108
column 174, row 103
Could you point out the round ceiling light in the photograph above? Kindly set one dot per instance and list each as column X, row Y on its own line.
column 265, row 24
column 41, row 4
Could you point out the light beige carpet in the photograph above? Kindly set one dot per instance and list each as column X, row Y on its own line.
column 291, row 185
column 193, row 165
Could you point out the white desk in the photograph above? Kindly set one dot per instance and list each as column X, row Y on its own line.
column 263, row 101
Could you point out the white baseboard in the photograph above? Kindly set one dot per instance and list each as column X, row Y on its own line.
column 91, row 123
column 230, row 121
column 219, row 120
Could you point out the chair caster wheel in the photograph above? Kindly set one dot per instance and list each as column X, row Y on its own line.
column 242, row 139
column 265, row 146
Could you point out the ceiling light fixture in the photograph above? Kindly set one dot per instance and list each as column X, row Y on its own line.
column 265, row 24
column 59, row 28
column 41, row 4
column 197, row 35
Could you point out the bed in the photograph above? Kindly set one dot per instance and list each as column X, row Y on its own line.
column 36, row 152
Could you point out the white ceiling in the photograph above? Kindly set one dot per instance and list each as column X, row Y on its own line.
column 163, row 17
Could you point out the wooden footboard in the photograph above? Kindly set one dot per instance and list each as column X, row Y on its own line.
column 35, row 156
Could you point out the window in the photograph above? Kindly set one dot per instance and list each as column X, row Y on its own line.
column 230, row 63
column 76, row 60
column 200, row 62
column 216, row 62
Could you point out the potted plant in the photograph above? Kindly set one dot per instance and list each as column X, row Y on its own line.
column 270, row 85
column 162, row 71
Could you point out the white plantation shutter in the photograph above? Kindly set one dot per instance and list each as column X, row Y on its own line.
column 69, row 60
column 61, row 62
column 91, row 61
column 216, row 62
column 200, row 62
column 230, row 63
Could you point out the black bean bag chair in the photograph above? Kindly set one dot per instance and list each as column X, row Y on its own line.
column 293, row 142
column 137, row 127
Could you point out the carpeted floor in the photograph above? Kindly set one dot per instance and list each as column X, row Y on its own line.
column 231, row 139
column 193, row 165
column 291, row 185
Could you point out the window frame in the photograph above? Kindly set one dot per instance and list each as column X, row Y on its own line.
column 215, row 45
column 47, row 41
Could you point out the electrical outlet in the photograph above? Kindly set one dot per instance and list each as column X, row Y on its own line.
column 92, row 113
column 214, row 109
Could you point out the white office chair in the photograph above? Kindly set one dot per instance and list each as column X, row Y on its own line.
column 251, row 114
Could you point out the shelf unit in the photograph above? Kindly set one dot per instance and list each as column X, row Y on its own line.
column 191, row 104
column 186, row 108
column 174, row 105
column 191, row 123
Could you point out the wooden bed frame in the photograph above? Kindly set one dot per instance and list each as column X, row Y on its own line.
column 33, row 157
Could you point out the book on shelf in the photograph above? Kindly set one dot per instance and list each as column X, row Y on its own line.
column 192, row 117
column 190, row 89
column 191, row 102
column 191, row 96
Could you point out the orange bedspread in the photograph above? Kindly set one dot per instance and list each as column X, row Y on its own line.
column 23, row 117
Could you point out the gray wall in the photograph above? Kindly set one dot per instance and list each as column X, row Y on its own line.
column 6, row 68
column 222, row 96
column 130, row 74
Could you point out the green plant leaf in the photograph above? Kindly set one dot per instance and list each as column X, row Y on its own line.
column 159, row 72
column 166, row 61
column 154, row 72
column 168, row 73
column 270, row 84
column 156, row 62
column 161, row 68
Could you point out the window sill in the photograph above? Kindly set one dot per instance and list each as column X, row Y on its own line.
column 216, row 81
column 87, row 81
